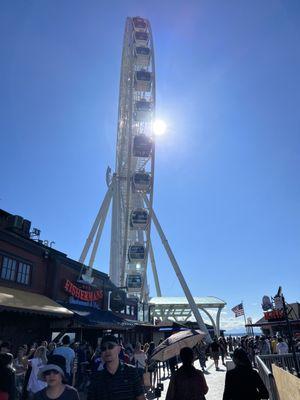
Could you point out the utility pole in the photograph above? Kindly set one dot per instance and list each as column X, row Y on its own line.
column 290, row 333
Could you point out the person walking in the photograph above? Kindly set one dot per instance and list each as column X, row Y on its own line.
column 7, row 377
column 140, row 359
column 215, row 352
column 230, row 344
column 243, row 382
column 38, row 361
column 187, row 383
column 282, row 347
column 264, row 346
column 117, row 381
column 20, row 368
column 223, row 349
column 54, row 376
column 151, row 364
column 139, row 356
column 50, row 349
column 69, row 355
column 201, row 353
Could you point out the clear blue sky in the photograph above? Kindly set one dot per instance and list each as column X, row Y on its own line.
column 227, row 187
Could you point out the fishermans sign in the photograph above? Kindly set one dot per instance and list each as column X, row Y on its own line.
column 84, row 295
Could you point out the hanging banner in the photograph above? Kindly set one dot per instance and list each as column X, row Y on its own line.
column 84, row 295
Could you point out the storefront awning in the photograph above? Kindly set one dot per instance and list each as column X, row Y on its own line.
column 88, row 316
column 23, row 301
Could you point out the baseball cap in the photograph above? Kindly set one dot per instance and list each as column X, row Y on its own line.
column 109, row 339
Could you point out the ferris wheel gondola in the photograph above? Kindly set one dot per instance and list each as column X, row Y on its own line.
column 142, row 146
column 142, row 56
column 136, row 253
column 142, row 81
column 139, row 24
column 143, row 110
column 142, row 181
column 141, row 38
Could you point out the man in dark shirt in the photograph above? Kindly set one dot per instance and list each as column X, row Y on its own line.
column 117, row 381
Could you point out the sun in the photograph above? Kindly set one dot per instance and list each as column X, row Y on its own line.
column 159, row 127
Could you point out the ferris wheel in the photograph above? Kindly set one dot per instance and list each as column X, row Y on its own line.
column 130, row 187
column 131, row 222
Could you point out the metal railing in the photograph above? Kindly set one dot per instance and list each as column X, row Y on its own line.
column 285, row 361
column 264, row 365
column 267, row 377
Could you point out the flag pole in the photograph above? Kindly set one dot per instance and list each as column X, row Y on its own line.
column 244, row 317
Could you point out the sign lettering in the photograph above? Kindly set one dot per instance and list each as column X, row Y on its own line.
column 85, row 295
column 274, row 314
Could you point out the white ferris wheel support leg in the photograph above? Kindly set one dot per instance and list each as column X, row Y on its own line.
column 90, row 238
column 178, row 272
column 154, row 270
column 100, row 229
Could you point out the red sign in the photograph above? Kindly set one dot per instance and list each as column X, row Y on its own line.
column 85, row 295
column 274, row 314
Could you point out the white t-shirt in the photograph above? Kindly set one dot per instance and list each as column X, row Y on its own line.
column 282, row 348
column 34, row 384
column 68, row 354
column 140, row 359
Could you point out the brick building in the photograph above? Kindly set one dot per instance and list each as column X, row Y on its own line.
column 42, row 290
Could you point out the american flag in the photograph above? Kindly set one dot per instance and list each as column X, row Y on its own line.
column 238, row 310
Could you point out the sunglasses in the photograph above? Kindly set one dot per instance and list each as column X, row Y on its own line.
column 51, row 371
column 109, row 346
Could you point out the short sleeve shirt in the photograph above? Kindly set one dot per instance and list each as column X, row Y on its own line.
column 69, row 393
column 125, row 384
column 68, row 354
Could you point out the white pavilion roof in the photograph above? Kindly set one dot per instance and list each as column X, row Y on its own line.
column 207, row 302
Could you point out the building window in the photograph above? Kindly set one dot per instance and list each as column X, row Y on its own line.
column 16, row 271
column 23, row 273
column 8, row 269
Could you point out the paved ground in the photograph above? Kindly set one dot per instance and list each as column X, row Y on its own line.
column 215, row 381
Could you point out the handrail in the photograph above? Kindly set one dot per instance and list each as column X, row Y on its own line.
column 267, row 377
column 285, row 361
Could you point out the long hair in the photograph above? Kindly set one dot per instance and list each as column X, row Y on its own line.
column 41, row 352
column 138, row 347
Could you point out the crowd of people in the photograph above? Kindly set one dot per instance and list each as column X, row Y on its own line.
column 115, row 371
column 22, row 378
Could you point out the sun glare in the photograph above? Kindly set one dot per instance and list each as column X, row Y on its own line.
column 159, row 127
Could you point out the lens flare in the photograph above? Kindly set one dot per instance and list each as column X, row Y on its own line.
column 159, row 127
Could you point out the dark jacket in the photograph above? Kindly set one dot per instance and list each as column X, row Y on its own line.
column 7, row 382
column 244, row 383
column 187, row 385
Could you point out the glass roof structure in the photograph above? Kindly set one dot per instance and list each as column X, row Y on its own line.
column 178, row 309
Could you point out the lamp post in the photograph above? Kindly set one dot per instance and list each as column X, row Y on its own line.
column 290, row 333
